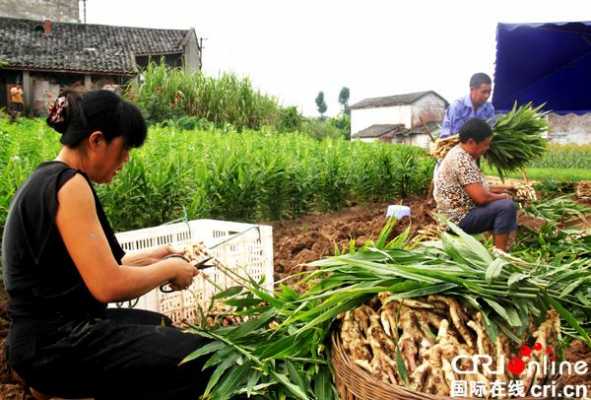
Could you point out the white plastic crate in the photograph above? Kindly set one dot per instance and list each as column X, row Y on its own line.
column 250, row 253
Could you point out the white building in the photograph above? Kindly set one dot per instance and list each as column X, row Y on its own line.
column 405, row 118
column 570, row 128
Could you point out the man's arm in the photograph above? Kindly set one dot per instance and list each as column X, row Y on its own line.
column 446, row 125
column 449, row 126
column 489, row 116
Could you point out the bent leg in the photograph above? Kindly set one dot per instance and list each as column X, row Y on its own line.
column 498, row 216
column 115, row 359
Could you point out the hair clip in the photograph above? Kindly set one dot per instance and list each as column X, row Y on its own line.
column 56, row 112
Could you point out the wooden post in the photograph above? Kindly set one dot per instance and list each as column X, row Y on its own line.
column 87, row 82
column 27, row 90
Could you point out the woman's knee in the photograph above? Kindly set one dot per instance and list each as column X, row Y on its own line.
column 506, row 216
column 506, row 206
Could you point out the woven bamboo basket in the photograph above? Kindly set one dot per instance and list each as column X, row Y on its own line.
column 354, row 383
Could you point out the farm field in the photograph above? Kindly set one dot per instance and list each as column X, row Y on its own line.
column 560, row 163
column 317, row 195
column 246, row 176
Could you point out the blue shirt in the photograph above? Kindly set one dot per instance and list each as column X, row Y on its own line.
column 461, row 111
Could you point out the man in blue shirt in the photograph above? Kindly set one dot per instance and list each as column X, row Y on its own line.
column 474, row 105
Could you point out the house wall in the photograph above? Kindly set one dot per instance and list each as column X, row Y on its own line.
column 569, row 129
column 366, row 117
column 45, row 87
column 420, row 140
column 192, row 55
column 429, row 108
column 54, row 10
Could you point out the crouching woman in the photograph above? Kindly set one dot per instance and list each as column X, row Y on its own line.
column 63, row 264
column 461, row 191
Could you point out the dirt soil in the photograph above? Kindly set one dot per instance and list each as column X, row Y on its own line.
column 315, row 236
column 10, row 386
column 577, row 352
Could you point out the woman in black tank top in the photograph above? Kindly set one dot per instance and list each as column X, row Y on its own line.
column 63, row 264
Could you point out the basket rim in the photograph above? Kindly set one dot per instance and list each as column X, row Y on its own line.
column 340, row 357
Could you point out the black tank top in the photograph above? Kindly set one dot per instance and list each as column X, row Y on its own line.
column 41, row 279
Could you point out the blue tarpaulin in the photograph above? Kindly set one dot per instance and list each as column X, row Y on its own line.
column 544, row 63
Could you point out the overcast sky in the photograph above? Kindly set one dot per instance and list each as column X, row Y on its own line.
column 293, row 49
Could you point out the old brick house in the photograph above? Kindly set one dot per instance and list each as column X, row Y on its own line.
column 43, row 54
column 403, row 118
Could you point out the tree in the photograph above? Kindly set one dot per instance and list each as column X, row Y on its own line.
column 344, row 99
column 289, row 119
column 321, row 104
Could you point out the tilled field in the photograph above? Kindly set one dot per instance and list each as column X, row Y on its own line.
column 314, row 236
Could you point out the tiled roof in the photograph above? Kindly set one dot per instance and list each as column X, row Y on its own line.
column 379, row 130
column 83, row 47
column 391, row 130
column 396, row 100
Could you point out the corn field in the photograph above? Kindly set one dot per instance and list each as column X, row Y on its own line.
column 247, row 176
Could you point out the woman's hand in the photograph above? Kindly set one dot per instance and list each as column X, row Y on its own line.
column 183, row 273
column 166, row 250
column 499, row 189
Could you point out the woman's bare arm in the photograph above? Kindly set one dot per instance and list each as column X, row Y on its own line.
column 87, row 244
column 149, row 256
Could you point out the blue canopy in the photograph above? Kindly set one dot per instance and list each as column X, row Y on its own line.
column 544, row 63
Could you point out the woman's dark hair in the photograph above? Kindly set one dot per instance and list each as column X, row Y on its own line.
column 76, row 116
column 475, row 128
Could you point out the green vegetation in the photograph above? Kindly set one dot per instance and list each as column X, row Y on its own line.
column 344, row 100
column 195, row 101
column 565, row 156
column 561, row 163
column 517, row 139
column 321, row 104
column 252, row 175
column 550, row 174
column 166, row 93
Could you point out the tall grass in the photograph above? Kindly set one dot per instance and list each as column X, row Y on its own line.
column 247, row 176
column 165, row 93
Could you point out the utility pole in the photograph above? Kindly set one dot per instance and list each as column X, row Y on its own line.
column 84, row 10
column 201, row 39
